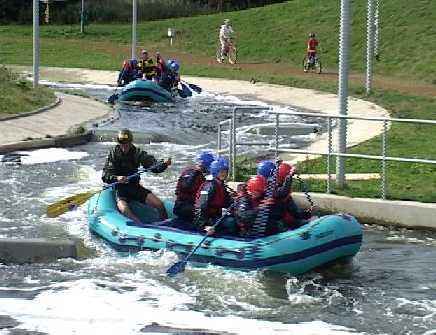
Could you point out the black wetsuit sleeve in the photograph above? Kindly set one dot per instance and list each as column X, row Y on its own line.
column 283, row 190
column 148, row 161
column 110, row 169
column 201, row 218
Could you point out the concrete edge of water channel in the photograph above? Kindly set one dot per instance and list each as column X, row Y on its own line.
column 406, row 214
column 36, row 250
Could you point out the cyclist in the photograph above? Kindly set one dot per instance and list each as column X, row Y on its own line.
column 225, row 36
column 312, row 44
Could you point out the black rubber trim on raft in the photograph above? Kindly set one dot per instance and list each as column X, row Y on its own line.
column 257, row 262
column 140, row 89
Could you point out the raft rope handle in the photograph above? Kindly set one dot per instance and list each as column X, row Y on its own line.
column 305, row 191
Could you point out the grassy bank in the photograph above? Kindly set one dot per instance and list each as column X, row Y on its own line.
column 271, row 45
column 18, row 96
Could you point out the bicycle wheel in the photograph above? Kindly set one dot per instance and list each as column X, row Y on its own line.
column 219, row 57
column 318, row 66
column 305, row 64
column 233, row 55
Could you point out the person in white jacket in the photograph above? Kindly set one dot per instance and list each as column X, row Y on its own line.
column 225, row 36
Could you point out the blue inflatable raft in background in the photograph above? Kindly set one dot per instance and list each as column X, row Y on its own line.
column 318, row 242
column 144, row 90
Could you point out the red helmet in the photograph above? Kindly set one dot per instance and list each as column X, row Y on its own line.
column 284, row 170
column 257, row 184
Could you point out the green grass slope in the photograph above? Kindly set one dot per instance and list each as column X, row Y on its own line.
column 18, row 96
column 274, row 33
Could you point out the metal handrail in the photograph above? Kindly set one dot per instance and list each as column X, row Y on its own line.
column 233, row 143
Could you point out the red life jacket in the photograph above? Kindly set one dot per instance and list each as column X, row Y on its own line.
column 188, row 184
column 217, row 202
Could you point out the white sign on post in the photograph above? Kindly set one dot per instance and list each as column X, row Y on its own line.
column 171, row 35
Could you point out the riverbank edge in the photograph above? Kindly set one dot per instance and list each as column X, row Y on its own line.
column 413, row 215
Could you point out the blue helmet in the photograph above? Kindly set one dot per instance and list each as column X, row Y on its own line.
column 265, row 168
column 133, row 62
column 173, row 65
column 205, row 158
column 218, row 165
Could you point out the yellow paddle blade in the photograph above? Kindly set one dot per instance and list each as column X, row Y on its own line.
column 67, row 204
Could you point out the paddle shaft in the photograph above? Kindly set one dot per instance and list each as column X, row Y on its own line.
column 207, row 235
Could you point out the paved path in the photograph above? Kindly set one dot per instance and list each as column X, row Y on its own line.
column 72, row 110
column 302, row 99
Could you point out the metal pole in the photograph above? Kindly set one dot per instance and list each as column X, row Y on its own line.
column 370, row 46
column 219, row 139
column 329, row 152
column 82, row 18
column 35, row 43
column 230, row 139
column 384, row 146
column 134, row 23
column 343, row 89
column 234, row 145
column 276, row 133
column 377, row 30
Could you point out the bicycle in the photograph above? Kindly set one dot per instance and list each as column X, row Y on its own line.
column 230, row 51
column 312, row 63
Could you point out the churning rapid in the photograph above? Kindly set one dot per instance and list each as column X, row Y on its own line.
column 388, row 288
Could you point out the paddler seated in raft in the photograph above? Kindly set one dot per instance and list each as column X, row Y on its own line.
column 213, row 199
column 170, row 77
column 128, row 73
column 248, row 200
column 146, row 66
column 292, row 215
column 124, row 160
column 189, row 182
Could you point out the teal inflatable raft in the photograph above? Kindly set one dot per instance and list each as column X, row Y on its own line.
column 144, row 90
column 321, row 241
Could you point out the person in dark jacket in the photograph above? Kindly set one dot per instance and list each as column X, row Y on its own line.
column 293, row 216
column 128, row 73
column 248, row 201
column 188, row 184
column 212, row 197
column 123, row 161
column 169, row 77
column 146, row 66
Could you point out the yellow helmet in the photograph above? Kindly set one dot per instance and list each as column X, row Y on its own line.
column 124, row 136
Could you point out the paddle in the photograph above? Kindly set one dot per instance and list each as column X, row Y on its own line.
column 112, row 98
column 78, row 199
column 180, row 266
column 186, row 90
column 194, row 87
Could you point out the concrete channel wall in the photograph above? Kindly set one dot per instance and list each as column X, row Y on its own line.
column 395, row 213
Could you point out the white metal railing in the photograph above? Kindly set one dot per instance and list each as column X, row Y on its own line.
column 233, row 142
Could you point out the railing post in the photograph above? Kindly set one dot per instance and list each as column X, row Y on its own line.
column 329, row 152
column 276, row 131
column 234, row 144
column 384, row 146
column 218, row 150
column 230, row 139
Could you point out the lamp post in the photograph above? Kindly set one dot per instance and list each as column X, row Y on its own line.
column 343, row 89
column 134, row 23
column 35, row 43
column 82, row 18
